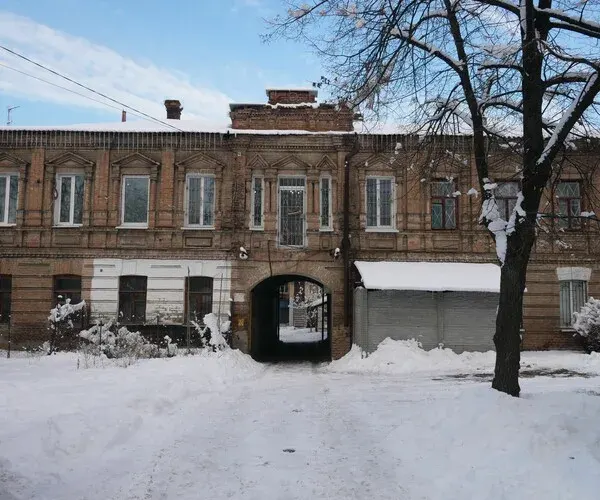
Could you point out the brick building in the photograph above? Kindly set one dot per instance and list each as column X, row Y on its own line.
column 152, row 223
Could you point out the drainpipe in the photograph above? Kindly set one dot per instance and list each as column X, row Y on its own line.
column 346, row 235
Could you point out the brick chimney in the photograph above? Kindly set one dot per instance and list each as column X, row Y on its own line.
column 291, row 96
column 292, row 109
column 174, row 109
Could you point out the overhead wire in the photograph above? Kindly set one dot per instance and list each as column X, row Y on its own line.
column 89, row 89
column 67, row 89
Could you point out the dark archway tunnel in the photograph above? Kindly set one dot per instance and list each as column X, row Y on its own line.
column 273, row 339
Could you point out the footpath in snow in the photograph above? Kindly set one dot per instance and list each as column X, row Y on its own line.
column 223, row 426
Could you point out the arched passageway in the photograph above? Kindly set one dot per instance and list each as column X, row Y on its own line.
column 291, row 319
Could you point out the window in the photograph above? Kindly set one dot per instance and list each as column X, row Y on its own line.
column 506, row 198
column 132, row 299
column 67, row 287
column 292, row 192
column 443, row 205
column 256, row 213
column 9, row 187
column 69, row 204
column 200, row 297
column 325, row 215
column 135, row 200
column 569, row 205
column 573, row 295
column 380, row 202
column 5, row 300
column 200, row 201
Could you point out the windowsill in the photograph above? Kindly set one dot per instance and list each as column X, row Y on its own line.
column 567, row 329
column 198, row 228
column 67, row 226
column 127, row 226
column 326, row 230
column 381, row 230
column 4, row 224
column 256, row 228
column 444, row 229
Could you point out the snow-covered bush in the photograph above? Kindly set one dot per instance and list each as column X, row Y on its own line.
column 62, row 330
column 587, row 325
column 211, row 335
column 170, row 347
column 116, row 342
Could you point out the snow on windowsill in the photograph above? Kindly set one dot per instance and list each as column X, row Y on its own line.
column 381, row 230
column 198, row 228
column 256, row 228
column 66, row 226
column 127, row 226
column 326, row 230
column 4, row 224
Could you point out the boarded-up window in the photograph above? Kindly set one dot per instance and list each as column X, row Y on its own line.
column 5, row 297
column 132, row 299
column 200, row 297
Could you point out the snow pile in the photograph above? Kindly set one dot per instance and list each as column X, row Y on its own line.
column 406, row 356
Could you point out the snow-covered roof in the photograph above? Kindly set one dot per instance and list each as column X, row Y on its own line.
column 430, row 276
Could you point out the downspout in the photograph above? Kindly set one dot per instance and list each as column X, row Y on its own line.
column 346, row 237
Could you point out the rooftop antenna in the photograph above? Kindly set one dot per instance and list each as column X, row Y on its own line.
column 9, row 109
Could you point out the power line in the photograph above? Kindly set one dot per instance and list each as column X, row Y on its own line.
column 25, row 58
column 67, row 89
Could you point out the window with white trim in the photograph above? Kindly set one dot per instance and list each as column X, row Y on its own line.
column 200, row 201
column 380, row 202
column 9, row 189
column 135, row 200
column 68, row 207
column 573, row 295
column 325, row 205
column 258, row 200
column 292, row 211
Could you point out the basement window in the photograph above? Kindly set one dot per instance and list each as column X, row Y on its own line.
column 68, row 208
column 200, row 201
column 9, row 187
column 5, row 297
column 135, row 200
column 132, row 299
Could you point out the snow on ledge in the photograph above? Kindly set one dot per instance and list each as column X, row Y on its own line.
column 430, row 276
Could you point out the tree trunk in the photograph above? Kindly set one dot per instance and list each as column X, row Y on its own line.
column 507, row 338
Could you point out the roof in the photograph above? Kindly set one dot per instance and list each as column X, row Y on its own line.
column 430, row 276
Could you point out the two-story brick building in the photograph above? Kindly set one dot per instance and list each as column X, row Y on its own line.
column 152, row 223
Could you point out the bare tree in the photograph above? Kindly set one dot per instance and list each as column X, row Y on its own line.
column 492, row 67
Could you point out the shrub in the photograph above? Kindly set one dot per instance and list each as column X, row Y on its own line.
column 62, row 330
column 587, row 325
column 119, row 343
column 211, row 335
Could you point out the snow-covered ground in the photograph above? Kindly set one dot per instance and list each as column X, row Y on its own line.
column 290, row 334
column 226, row 427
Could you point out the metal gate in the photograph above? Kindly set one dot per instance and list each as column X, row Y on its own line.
column 292, row 192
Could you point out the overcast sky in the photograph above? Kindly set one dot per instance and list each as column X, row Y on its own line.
column 207, row 53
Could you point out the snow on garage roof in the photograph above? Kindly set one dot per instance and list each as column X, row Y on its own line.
column 430, row 276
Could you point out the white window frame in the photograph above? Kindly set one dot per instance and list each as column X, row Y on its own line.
column 329, row 226
column 8, row 175
column 569, row 275
column 571, row 301
column 140, row 225
column 253, row 226
column 304, row 203
column 57, row 202
column 379, row 227
column 186, row 220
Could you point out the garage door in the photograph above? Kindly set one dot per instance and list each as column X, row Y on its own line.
column 401, row 315
column 469, row 320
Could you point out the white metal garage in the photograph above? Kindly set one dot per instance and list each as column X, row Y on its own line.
column 438, row 303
